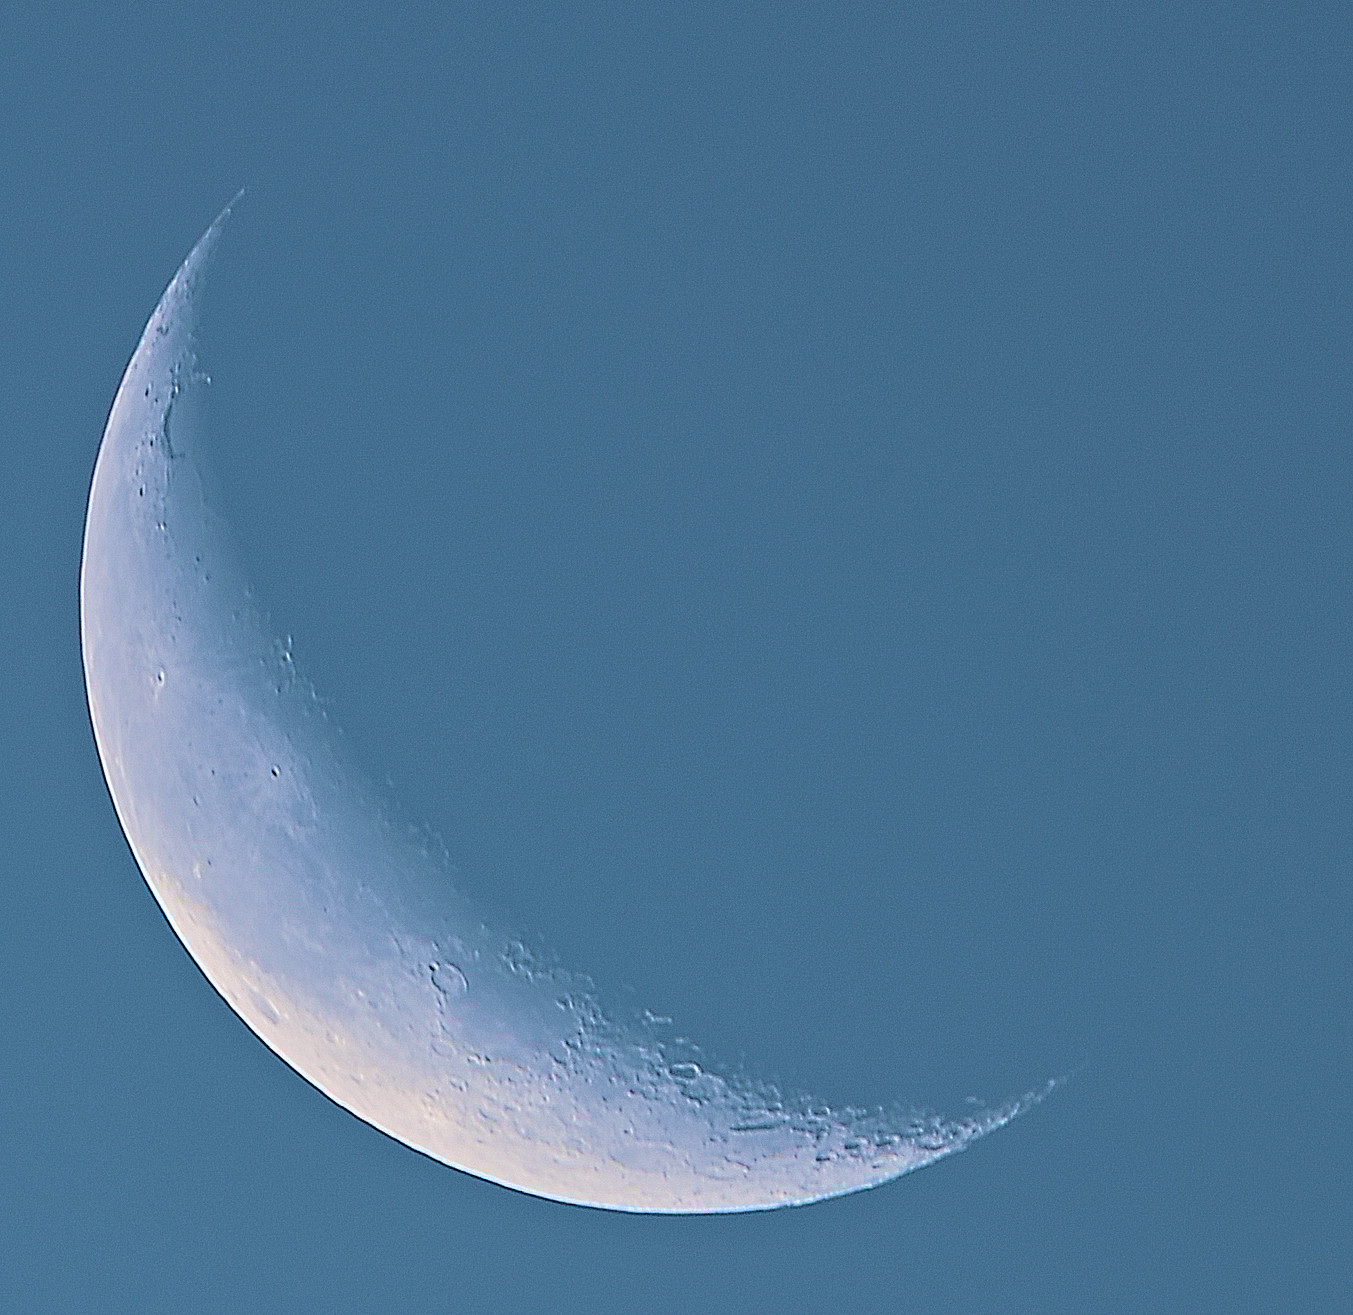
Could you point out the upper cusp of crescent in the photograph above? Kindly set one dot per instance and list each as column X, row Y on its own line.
column 160, row 369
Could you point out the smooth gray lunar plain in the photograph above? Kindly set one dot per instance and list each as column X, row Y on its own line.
column 337, row 935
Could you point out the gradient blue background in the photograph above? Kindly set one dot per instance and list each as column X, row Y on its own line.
column 841, row 521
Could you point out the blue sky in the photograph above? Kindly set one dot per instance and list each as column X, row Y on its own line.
column 840, row 522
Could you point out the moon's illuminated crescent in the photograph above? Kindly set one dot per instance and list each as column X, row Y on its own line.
column 336, row 936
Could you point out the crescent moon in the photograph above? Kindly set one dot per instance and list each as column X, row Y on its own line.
column 338, row 936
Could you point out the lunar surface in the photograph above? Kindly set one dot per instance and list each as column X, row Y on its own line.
column 337, row 935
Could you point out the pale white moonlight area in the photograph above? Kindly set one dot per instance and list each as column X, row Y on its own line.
column 337, row 935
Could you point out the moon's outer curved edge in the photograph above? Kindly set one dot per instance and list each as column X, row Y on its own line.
column 336, row 937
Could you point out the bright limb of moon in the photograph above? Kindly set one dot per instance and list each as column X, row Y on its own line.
column 336, row 935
